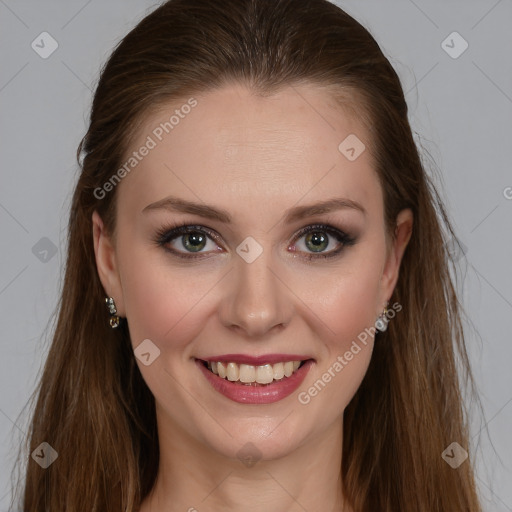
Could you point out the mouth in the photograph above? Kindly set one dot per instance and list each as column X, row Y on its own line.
column 255, row 384
column 254, row 375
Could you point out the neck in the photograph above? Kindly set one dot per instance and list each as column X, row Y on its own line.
column 192, row 477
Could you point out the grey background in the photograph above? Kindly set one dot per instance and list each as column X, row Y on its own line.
column 461, row 109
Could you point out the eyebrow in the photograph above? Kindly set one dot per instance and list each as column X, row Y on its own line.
column 296, row 213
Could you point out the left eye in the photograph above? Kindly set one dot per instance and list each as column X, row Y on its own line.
column 317, row 241
column 318, row 237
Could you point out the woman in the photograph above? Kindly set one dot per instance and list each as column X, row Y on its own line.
column 257, row 310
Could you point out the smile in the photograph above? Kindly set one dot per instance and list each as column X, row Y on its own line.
column 251, row 384
column 249, row 374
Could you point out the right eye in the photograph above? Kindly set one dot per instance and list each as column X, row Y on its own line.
column 193, row 240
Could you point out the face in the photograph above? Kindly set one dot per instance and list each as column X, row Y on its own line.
column 264, row 276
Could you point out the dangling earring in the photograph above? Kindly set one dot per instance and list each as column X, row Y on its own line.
column 382, row 321
column 114, row 319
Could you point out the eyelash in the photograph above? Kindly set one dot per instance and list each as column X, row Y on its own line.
column 170, row 232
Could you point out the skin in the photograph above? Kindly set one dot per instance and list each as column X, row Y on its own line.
column 255, row 157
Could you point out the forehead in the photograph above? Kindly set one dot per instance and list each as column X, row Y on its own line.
column 231, row 145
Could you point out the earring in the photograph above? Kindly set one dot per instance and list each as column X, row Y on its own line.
column 114, row 319
column 382, row 321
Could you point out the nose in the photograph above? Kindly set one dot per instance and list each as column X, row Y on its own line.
column 257, row 300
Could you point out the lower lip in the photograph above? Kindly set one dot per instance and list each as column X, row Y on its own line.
column 261, row 394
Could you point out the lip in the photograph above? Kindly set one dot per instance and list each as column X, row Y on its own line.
column 262, row 394
column 256, row 360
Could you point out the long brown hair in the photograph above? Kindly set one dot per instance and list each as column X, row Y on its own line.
column 94, row 408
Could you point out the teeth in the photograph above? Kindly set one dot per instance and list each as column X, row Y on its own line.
column 233, row 372
column 247, row 374
column 278, row 371
column 265, row 374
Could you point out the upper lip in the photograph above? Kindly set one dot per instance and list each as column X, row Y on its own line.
column 256, row 360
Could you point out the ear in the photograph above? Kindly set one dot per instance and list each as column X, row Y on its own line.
column 106, row 263
column 403, row 231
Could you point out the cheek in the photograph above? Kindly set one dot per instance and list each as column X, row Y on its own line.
column 348, row 308
column 159, row 302
column 167, row 307
column 350, row 301
column 349, row 313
